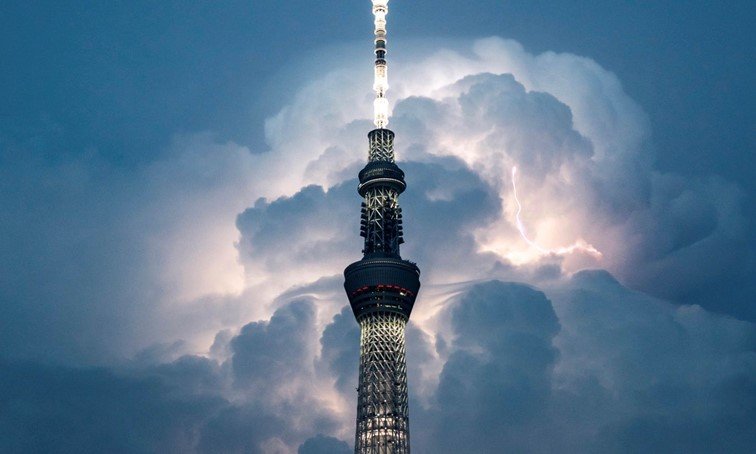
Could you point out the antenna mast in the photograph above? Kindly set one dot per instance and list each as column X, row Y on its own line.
column 380, row 84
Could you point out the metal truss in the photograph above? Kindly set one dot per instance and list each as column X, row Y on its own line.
column 381, row 145
column 382, row 287
column 382, row 221
column 382, row 408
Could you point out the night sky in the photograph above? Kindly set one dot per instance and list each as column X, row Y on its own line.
column 177, row 204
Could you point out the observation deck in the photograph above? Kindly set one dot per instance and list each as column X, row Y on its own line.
column 382, row 284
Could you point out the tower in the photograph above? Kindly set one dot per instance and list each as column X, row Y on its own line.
column 381, row 287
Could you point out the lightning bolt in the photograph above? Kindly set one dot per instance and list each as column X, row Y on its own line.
column 579, row 245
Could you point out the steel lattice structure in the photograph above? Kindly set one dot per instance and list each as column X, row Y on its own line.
column 382, row 410
column 382, row 287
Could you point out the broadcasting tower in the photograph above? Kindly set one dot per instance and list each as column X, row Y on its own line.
column 382, row 287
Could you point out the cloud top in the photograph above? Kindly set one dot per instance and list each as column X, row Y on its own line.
column 217, row 293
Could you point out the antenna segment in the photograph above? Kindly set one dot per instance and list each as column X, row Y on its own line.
column 382, row 287
column 380, row 85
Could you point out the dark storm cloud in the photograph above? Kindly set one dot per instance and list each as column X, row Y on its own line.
column 696, row 249
column 324, row 445
column 278, row 347
column 44, row 293
column 176, row 407
column 59, row 409
column 623, row 373
column 106, row 255
column 92, row 254
column 676, row 369
column 273, row 366
column 129, row 256
column 445, row 202
column 601, row 369
column 338, row 352
column 314, row 225
column 496, row 382
column 588, row 372
column 240, row 429
column 683, row 239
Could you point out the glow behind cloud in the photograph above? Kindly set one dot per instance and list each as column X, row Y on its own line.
column 579, row 245
column 483, row 351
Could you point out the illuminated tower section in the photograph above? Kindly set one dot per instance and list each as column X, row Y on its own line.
column 382, row 287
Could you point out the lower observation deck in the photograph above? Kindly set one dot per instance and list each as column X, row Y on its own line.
column 382, row 284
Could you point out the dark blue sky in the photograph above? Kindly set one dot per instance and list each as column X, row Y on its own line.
column 124, row 76
column 176, row 179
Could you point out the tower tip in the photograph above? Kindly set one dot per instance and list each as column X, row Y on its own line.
column 380, row 84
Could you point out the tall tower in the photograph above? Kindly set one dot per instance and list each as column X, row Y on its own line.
column 381, row 287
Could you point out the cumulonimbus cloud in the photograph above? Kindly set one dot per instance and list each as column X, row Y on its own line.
column 507, row 347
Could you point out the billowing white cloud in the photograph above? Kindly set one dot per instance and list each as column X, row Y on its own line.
column 586, row 166
column 582, row 147
column 211, row 236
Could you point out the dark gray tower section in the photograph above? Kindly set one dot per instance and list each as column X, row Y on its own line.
column 382, row 289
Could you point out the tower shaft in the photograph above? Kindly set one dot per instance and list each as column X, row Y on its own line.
column 382, row 407
column 382, row 287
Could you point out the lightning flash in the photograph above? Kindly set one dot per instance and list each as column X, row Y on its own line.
column 579, row 245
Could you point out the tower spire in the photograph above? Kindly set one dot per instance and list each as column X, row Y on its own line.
column 382, row 287
column 380, row 83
